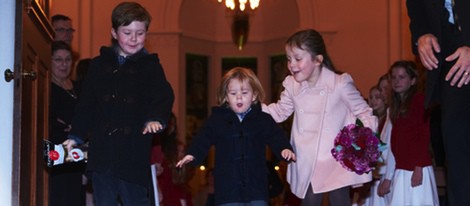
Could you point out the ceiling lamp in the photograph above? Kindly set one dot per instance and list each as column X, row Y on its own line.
column 240, row 29
column 232, row 4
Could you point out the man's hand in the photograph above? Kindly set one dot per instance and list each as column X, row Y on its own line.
column 427, row 44
column 459, row 72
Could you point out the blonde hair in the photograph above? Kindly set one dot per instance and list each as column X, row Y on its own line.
column 380, row 114
column 241, row 74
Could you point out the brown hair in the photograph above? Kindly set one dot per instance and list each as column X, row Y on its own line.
column 60, row 45
column 127, row 12
column 241, row 74
column 399, row 106
column 312, row 42
column 60, row 17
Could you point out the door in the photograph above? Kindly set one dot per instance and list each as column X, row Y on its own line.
column 31, row 96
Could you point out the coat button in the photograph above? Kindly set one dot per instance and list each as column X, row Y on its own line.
column 322, row 93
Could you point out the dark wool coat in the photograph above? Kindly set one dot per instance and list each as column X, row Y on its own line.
column 115, row 104
column 65, row 180
column 240, row 172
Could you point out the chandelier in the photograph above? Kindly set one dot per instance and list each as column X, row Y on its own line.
column 232, row 4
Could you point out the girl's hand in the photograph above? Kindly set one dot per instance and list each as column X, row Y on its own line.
column 152, row 127
column 417, row 177
column 159, row 169
column 186, row 159
column 384, row 187
column 288, row 155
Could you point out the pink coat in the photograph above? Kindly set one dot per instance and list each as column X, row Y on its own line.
column 320, row 112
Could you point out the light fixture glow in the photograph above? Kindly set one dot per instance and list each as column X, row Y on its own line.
column 241, row 4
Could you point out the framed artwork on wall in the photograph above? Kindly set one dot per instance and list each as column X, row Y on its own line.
column 196, row 93
column 279, row 72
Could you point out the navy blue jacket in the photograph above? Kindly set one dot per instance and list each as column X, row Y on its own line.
column 240, row 172
column 115, row 104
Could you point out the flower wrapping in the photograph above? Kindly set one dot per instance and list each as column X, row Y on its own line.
column 357, row 148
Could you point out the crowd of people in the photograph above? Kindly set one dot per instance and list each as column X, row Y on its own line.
column 120, row 104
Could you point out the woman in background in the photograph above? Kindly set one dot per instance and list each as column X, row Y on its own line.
column 380, row 108
column 65, row 180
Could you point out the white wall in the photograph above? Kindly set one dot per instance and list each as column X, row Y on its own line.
column 7, row 23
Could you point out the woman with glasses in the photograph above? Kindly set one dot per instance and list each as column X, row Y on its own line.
column 65, row 180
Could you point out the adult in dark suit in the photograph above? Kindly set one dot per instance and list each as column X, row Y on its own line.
column 440, row 32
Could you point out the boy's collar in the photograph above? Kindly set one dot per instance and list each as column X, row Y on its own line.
column 123, row 59
column 242, row 115
column 116, row 50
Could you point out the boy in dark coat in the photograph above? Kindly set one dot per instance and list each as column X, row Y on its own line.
column 125, row 98
column 240, row 131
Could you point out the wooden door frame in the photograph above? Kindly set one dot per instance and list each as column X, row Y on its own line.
column 39, row 16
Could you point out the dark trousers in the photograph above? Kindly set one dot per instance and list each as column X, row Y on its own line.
column 437, row 142
column 66, row 189
column 456, row 134
column 455, row 107
column 109, row 190
column 338, row 197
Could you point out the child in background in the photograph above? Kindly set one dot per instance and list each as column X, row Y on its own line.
column 173, row 182
column 378, row 103
column 324, row 102
column 125, row 98
column 409, row 168
column 240, row 132
column 384, row 87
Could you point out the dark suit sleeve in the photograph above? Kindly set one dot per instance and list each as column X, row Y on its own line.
column 419, row 21
column 462, row 9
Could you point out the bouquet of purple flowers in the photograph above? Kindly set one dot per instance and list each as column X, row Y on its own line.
column 357, row 148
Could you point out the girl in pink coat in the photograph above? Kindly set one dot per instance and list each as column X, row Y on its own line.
column 323, row 102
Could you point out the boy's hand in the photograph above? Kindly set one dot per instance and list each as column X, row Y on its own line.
column 152, row 127
column 288, row 155
column 69, row 143
column 186, row 159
